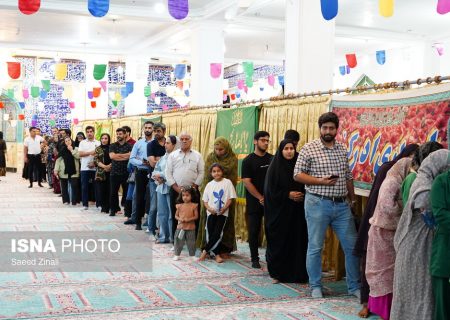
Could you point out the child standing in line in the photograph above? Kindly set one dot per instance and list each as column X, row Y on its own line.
column 186, row 214
column 217, row 197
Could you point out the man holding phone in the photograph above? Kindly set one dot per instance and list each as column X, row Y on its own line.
column 322, row 165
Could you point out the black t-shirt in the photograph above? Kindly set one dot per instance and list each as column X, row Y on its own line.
column 255, row 168
column 156, row 150
column 119, row 167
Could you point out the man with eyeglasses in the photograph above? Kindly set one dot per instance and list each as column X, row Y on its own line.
column 254, row 169
column 185, row 168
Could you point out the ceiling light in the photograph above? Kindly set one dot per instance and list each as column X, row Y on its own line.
column 160, row 7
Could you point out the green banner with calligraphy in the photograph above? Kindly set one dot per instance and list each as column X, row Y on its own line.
column 238, row 126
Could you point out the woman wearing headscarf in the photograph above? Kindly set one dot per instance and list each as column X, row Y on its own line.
column 67, row 168
column 284, row 217
column 440, row 249
column 103, row 163
column 223, row 154
column 80, row 137
column 363, row 232
column 380, row 257
column 2, row 156
column 413, row 297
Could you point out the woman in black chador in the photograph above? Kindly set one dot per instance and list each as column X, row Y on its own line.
column 285, row 224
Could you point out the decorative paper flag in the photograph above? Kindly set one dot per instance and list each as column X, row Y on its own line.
column 14, row 70
column 225, row 91
column 245, row 89
column 187, row 93
column 281, row 80
column 271, row 80
column 34, row 117
column 329, row 8
column 443, row 6
column 215, row 70
column 60, row 71
column 52, row 123
column 238, row 94
column 103, row 85
column 439, row 48
column 52, row 116
column 1, row 105
column 33, row 123
column 118, row 97
column 147, row 91
column 180, row 85
column 381, row 57
column 75, row 121
column 68, row 92
column 90, row 95
column 46, row 85
column 98, row 8
column 351, row 60
column 153, row 96
column 165, row 107
column 240, row 84
column 114, row 102
column 114, row 112
column 129, row 87
column 386, row 8
column 43, row 94
column 72, row 105
column 124, row 92
column 249, row 82
column 10, row 93
column 22, row 105
column 233, row 96
column 21, row 117
column 342, row 70
column 96, row 92
column 225, row 97
column 347, row 69
column 180, row 71
column 29, row 6
column 25, row 93
column 178, row 9
column 248, row 68
column 93, row 104
column 99, row 71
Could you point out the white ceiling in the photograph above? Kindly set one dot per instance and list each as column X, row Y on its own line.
column 257, row 32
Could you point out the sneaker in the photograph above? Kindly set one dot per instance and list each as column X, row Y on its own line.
column 256, row 265
column 316, row 293
column 145, row 224
column 138, row 227
column 357, row 294
column 172, row 249
column 129, row 221
column 176, row 258
column 85, row 208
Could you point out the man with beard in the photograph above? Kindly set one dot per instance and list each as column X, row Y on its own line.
column 254, row 169
column 322, row 165
column 119, row 152
column 138, row 159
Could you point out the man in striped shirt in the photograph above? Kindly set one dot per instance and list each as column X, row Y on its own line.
column 322, row 165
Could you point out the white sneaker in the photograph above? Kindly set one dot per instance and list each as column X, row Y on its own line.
column 172, row 249
column 85, row 208
column 176, row 258
column 317, row 293
column 357, row 294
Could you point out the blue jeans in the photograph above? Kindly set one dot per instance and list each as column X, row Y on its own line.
column 151, row 219
column 321, row 213
column 133, row 207
column 164, row 217
column 85, row 177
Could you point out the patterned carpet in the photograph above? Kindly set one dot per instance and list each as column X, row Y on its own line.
column 173, row 290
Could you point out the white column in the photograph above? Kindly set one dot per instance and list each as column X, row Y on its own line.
column 309, row 48
column 207, row 46
column 136, row 72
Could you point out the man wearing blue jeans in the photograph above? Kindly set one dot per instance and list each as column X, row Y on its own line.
column 87, row 152
column 322, row 165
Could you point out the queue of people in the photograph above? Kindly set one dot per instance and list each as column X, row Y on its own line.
column 299, row 193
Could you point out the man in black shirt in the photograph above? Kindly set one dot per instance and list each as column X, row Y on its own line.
column 119, row 152
column 254, row 169
column 155, row 150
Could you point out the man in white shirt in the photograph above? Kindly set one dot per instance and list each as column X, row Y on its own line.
column 32, row 155
column 185, row 167
column 86, row 150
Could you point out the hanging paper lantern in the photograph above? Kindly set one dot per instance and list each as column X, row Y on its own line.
column 21, row 117
column 386, row 8
column 43, row 94
column 347, row 69
column 14, row 70
column 130, row 87
column 381, row 57
column 187, row 93
column 72, row 105
column 96, row 92
column 215, row 70
column 93, row 104
column 124, row 92
column 10, row 93
column 60, row 71
column 180, row 71
column 147, row 91
column 271, row 80
column 443, row 6
column 29, row 6
column 342, row 70
column 75, row 121
column 1, row 105
column 281, row 80
column 180, row 85
column 46, row 85
column 351, row 60
column 114, row 102
column 22, row 105
column 240, row 84
column 329, row 8
column 98, row 8
column 178, row 9
column 103, row 85
column 248, row 68
column 25, row 93
column 99, row 71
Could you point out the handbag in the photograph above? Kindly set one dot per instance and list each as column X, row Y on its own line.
column 132, row 176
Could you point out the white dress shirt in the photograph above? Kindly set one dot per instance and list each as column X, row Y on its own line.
column 33, row 145
column 185, row 169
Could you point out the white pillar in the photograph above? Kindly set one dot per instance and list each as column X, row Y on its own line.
column 207, row 46
column 136, row 72
column 309, row 48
